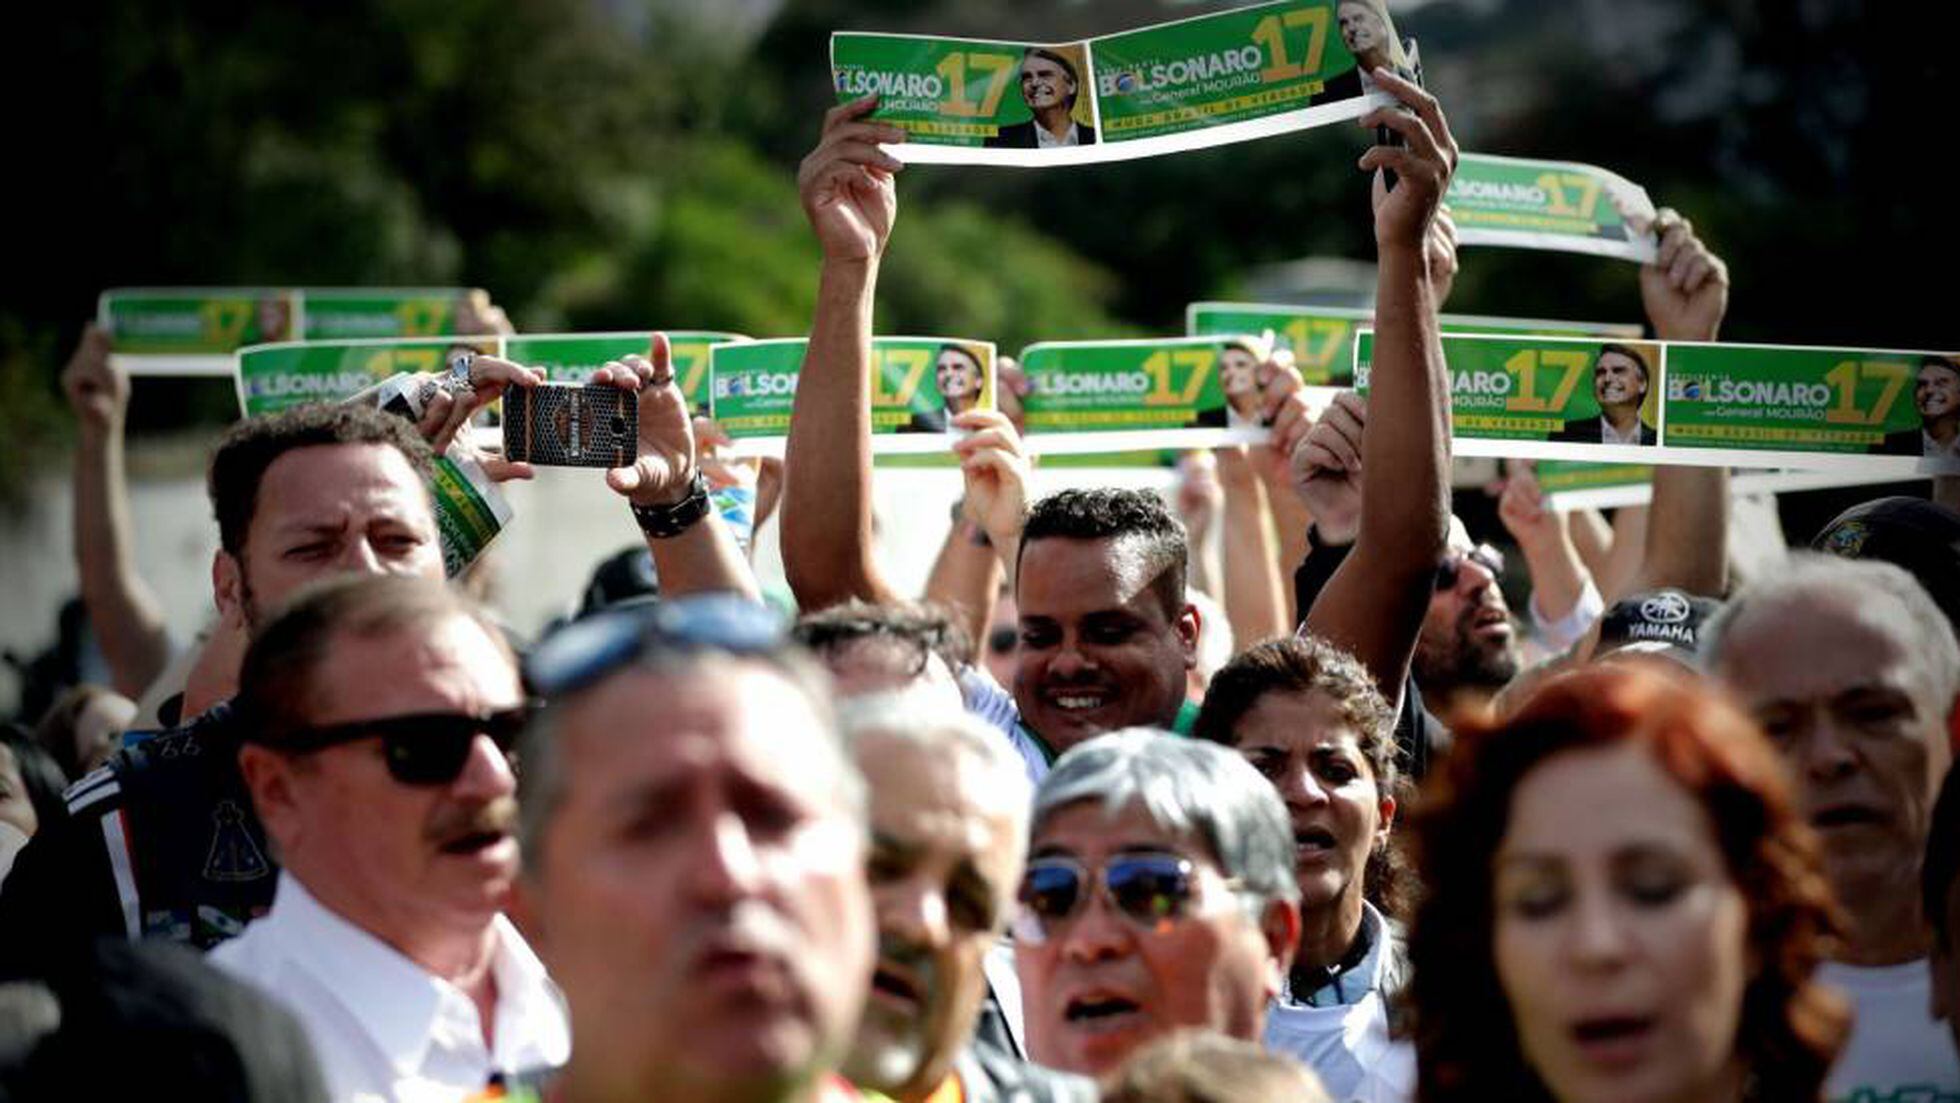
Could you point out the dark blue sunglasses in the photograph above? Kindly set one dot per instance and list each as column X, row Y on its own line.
column 594, row 646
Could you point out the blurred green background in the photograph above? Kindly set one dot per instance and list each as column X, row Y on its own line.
column 628, row 163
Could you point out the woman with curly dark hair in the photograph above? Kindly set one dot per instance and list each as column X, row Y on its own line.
column 1308, row 716
column 1620, row 862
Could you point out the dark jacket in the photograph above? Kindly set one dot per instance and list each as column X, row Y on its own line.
column 1021, row 136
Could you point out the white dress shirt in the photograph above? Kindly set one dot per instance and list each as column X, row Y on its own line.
column 382, row 1026
column 1045, row 139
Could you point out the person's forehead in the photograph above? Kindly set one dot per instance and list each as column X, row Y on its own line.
column 644, row 727
column 323, row 482
column 935, row 796
column 1594, row 802
column 448, row 664
column 1615, row 360
column 1061, row 575
column 1036, row 64
column 1087, row 829
column 1299, row 722
column 1936, row 370
column 1813, row 645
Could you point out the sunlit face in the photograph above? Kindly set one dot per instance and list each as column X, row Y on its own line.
column 946, row 848
column 1306, row 748
column 1361, row 28
column 1843, row 694
column 1238, row 371
column 1099, row 651
column 1618, row 381
column 699, row 891
column 1102, row 984
column 328, row 510
column 1620, row 940
column 1045, row 84
column 1467, row 635
column 396, row 859
column 958, row 376
column 1936, row 391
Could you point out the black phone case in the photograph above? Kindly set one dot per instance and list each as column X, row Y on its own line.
column 565, row 425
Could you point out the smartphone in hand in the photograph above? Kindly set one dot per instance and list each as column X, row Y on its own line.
column 567, row 425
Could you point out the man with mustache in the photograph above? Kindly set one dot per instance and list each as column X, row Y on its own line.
column 949, row 812
column 1855, row 675
column 378, row 715
column 1620, row 381
column 694, row 843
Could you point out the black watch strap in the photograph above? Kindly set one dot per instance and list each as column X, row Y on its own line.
column 661, row 522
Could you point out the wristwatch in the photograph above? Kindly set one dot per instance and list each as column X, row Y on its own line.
column 674, row 518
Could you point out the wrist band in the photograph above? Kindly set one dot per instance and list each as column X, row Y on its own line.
column 674, row 518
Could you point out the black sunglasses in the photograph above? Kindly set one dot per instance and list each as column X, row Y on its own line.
column 1150, row 889
column 1002, row 639
column 1450, row 569
column 592, row 647
column 424, row 748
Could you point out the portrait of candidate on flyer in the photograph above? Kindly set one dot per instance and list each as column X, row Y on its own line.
column 1936, row 395
column 1050, row 85
column 960, row 376
column 1238, row 377
column 1621, row 380
column 1369, row 34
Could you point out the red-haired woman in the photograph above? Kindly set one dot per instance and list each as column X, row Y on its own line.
column 1620, row 861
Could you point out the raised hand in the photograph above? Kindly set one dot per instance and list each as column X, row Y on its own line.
column 995, row 465
column 1686, row 289
column 1423, row 164
column 847, row 184
column 664, row 468
column 97, row 390
column 1327, row 468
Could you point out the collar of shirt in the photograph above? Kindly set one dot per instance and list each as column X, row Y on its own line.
column 1045, row 139
column 1609, row 435
column 1348, row 986
column 403, row 1008
column 1931, row 447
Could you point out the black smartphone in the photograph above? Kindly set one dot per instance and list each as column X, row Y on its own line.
column 1383, row 135
column 567, row 425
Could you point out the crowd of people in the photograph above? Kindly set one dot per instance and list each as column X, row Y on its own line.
column 1042, row 832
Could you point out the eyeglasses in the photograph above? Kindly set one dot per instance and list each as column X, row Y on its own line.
column 424, row 748
column 1152, row 890
column 1450, row 569
column 587, row 650
column 1001, row 640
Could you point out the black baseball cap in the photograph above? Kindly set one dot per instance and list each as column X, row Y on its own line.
column 1919, row 536
column 1664, row 622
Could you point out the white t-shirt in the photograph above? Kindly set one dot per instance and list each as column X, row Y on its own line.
column 1347, row 1044
column 1897, row 1051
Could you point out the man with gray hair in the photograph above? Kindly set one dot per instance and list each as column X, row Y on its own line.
column 1159, row 895
column 694, row 842
column 949, row 815
column 1855, row 675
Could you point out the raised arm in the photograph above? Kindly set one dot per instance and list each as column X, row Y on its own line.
column 1374, row 604
column 693, row 551
column 1564, row 599
column 1254, row 593
column 1686, row 293
column 851, row 198
column 124, row 613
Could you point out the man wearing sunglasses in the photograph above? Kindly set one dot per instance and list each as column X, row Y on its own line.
column 1159, row 895
column 694, row 842
column 378, row 715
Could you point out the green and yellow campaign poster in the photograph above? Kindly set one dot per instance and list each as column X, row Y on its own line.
column 918, row 384
column 1575, row 398
column 1554, row 205
column 1203, row 81
column 1811, row 402
column 277, row 377
column 1321, row 338
column 194, row 331
column 1104, row 396
column 1844, row 411
column 573, row 357
column 470, row 510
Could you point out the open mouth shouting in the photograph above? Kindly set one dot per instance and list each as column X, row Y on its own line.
column 898, row 986
column 1313, row 843
column 1102, row 1012
column 1614, row 1041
